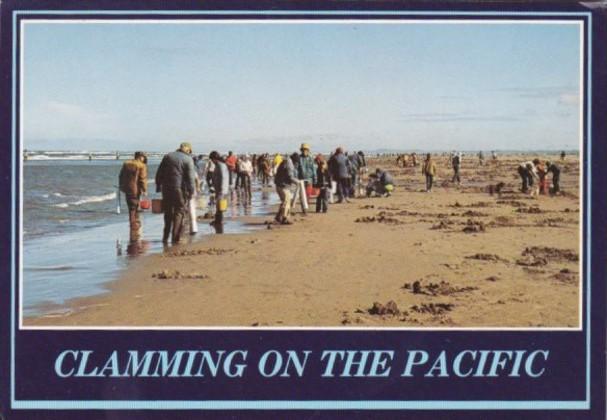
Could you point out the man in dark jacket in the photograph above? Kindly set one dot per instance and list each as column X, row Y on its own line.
column 133, row 181
column 176, row 179
column 338, row 167
column 355, row 164
column 556, row 175
column 455, row 162
column 284, row 178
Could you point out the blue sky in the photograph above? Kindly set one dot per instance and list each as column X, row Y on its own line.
column 257, row 87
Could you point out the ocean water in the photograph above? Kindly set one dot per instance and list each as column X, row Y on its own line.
column 75, row 242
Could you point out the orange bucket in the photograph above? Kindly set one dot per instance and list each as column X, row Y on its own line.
column 311, row 191
column 145, row 204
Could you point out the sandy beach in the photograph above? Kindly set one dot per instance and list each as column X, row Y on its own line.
column 456, row 257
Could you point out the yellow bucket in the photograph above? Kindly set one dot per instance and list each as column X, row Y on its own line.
column 223, row 204
column 389, row 187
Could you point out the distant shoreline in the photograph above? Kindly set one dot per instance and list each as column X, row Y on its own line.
column 71, row 155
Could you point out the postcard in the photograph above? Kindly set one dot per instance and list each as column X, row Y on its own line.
column 283, row 209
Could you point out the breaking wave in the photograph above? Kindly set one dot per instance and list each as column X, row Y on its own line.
column 88, row 200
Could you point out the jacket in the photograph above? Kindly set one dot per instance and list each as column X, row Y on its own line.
column 306, row 169
column 285, row 174
column 245, row 167
column 176, row 171
column 556, row 171
column 221, row 179
column 133, row 177
column 231, row 162
column 530, row 168
column 338, row 166
column 385, row 178
column 323, row 179
column 429, row 168
column 354, row 161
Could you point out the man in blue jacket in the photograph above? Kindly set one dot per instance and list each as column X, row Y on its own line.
column 339, row 169
column 176, row 179
column 306, row 175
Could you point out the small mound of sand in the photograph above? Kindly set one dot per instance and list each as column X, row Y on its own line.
column 566, row 276
column 532, row 261
column 474, row 226
column 512, row 203
column 193, row 252
column 472, row 213
column 389, row 308
column 486, row 257
column 433, row 308
column 176, row 275
column 381, row 218
column 444, row 288
column 443, row 224
column 530, row 210
column 553, row 254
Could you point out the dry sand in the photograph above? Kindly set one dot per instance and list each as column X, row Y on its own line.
column 402, row 261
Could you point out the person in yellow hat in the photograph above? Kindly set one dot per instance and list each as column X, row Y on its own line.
column 306, row 174
column 276, row 162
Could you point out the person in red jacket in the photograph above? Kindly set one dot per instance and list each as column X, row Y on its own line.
column 231, row 164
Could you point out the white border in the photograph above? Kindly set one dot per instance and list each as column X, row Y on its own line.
column 580, row 24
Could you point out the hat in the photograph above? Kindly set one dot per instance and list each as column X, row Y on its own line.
column 304, row 146
column 185, row 147
column 141, row 155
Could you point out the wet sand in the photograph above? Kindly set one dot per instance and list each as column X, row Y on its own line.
column 457, row 257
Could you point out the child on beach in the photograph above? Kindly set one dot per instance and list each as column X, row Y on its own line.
column 323, row 182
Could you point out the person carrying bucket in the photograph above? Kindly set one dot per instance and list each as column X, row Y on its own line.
column 133, row 182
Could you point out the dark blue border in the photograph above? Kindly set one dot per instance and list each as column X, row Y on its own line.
column 597, row 315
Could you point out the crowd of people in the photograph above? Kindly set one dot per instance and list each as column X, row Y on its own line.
column 182, row 177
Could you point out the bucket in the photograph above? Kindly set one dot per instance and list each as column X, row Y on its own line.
column 156, row 205
column 311, row 191
column 145, row 204
column 223, row 204
column 389, row 187
column 544, row 186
